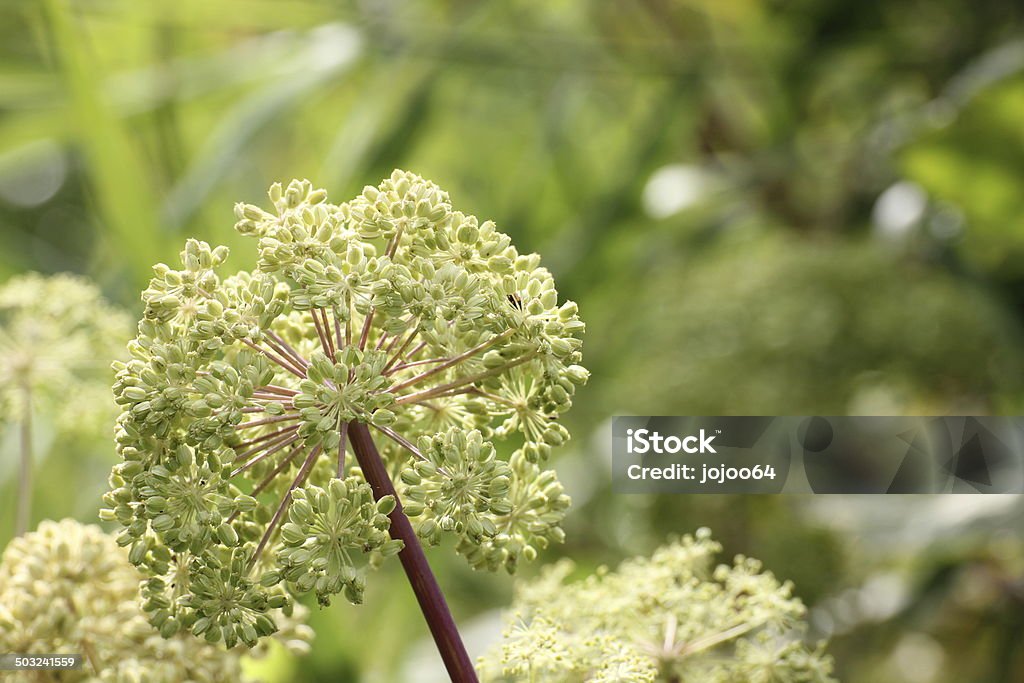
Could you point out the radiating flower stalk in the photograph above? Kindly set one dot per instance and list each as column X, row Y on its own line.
column 669, row 618
column 57, row 335
column 393, row 313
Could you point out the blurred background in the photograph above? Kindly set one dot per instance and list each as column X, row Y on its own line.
column 761, row 207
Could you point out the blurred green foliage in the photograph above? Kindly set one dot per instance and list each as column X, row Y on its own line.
column 761, row 207
column 819, row 326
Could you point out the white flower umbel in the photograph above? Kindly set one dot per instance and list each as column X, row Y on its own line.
column 246, row 392
column 672, row 617
column 67, row 588
column 57, row 338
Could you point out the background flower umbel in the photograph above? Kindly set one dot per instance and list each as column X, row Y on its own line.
column 57, row 336
column 68, row 588
column 674, row 616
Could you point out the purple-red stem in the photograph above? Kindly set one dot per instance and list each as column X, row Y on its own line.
column 424, row 585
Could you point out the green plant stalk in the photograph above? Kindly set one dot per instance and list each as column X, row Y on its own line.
column 25, row 476
column 414, row 562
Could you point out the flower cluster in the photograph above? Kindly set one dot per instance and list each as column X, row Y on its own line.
column 329, row 533
column 57, row 336
column 460, row 481
column 528, row 518
column 68, row 588
column 392, row 310
column 671, row 617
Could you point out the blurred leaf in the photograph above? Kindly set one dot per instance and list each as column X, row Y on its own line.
column 124, row 197
column 326, row 54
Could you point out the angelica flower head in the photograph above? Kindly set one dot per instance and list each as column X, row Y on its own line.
column 391, row 310
column 69, row 588
column 57, row 336
column 672, row 617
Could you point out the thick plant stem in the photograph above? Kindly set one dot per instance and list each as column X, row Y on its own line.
column 424, row 585
column 25, row 478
